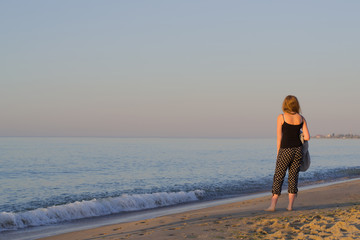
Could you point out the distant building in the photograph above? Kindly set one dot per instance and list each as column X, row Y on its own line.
column 339, row 136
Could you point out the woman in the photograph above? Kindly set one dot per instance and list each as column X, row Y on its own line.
column 289, row 152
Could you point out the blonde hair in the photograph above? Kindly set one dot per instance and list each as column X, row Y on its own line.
column 291, row 104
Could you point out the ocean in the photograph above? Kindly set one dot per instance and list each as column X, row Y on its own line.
column 51, row 181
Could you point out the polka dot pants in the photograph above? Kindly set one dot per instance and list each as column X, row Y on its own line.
column 288, row 158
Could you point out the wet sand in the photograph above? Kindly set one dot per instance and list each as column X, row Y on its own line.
column 327, row 212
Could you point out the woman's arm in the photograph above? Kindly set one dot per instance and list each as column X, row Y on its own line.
column 280, row 121
column 306, row 131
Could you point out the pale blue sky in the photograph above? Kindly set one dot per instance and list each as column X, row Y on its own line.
column 177, row 68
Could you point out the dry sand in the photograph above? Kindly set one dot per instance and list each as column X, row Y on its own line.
column 330, row 212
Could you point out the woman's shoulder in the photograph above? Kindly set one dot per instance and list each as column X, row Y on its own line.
column 280, row 118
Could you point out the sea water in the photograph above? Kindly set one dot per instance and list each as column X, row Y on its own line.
column 46, row 181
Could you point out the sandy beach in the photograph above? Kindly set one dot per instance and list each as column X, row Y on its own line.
column 327, row 212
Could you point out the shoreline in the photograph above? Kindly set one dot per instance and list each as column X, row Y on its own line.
column 247, row 206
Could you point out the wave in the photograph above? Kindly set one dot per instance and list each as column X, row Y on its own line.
column 332, row 174
column 94, row 208
column 134, row 202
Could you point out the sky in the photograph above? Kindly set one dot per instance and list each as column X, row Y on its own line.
column 177, row 68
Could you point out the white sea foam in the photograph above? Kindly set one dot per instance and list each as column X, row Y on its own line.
column 93, row 208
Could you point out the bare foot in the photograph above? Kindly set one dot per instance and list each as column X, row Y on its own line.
column 270, row 209
column 289, row 209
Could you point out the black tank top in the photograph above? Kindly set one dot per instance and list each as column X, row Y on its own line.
column 290, row 135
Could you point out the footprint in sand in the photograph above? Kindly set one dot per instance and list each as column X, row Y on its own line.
column 175, row 228
column 191, row 236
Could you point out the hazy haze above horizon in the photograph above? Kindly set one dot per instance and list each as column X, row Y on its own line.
column 177, row 68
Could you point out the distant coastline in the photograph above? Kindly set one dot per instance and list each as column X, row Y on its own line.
column 338, row 136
